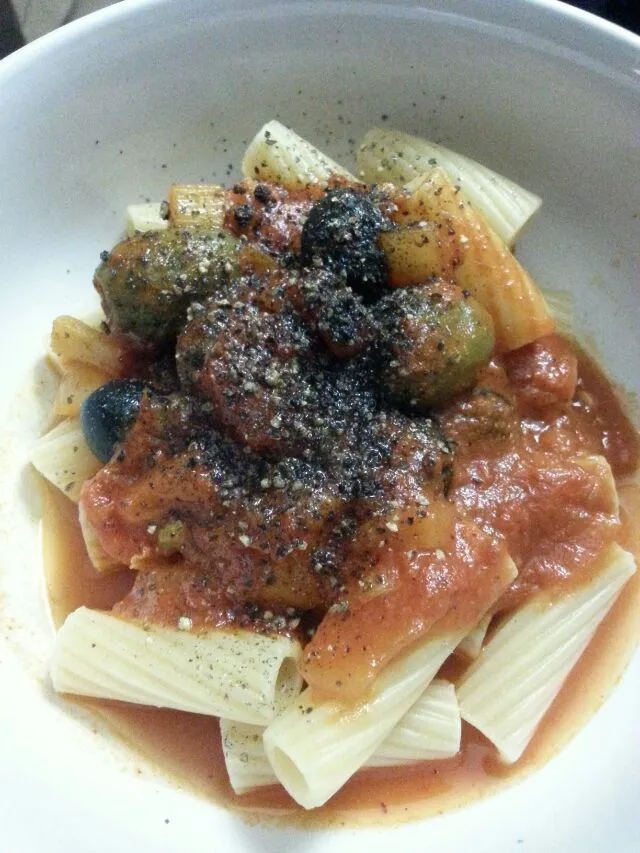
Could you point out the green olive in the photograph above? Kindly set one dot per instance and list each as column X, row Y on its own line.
column 148, row 281
column 171, row 537
column 435, row 338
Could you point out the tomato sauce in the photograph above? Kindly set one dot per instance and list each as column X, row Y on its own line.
column 564, row 512
column 185, row 748
column 544, row 488
column 432, row 591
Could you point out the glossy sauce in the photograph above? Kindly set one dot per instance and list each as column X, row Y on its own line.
column 187, row 747
column 541, row 487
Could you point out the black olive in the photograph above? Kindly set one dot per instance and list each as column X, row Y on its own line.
column 107, row 414
column 341, row 234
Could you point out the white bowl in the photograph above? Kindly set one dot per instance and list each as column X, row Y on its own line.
column 107, row 111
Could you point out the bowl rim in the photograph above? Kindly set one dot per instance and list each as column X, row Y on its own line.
column 575, row 30
column 546, row 21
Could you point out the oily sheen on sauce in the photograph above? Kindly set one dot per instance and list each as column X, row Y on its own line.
column 187, row 747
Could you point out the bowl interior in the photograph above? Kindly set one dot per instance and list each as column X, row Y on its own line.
column 114, row 108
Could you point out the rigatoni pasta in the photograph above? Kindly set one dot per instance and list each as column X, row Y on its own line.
column 236, row 674
column 315, row 746
column 471, row 645
column 279, row 155
column 145, row 217
column 520, row 671
column 246, row 762
column 100, row 559
column 429, row 731
column 64, row 459
column 77, row 381
column 344, row 444
column 196, row 206
column 75, row 341
column 390, row 155
column 439, row 234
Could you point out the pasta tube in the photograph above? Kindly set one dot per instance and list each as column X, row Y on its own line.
column 440, row 235
column 201, row 205
column 390, row 155
column 246, row 761
column 606, row 489
column 99, row 558
column 471, row 645
column 144, row 217
column 279, row 155
column 229, row 673
column 77, row 381
column 64, row 459
column 561, row 306
column 315, row 746
column 430, row 730
column 507, row 691
column 73, row 340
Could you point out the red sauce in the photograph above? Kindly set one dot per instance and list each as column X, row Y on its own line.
column 532, row 486
column 292, row 444
column 273, row 217
column 187, row 746
column 71, row 581
column 430, row 592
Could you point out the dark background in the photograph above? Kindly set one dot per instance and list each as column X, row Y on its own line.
column 626, row 13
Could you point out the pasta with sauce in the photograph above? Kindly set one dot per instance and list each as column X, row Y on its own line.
column 429, row 731
column 332, row 434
